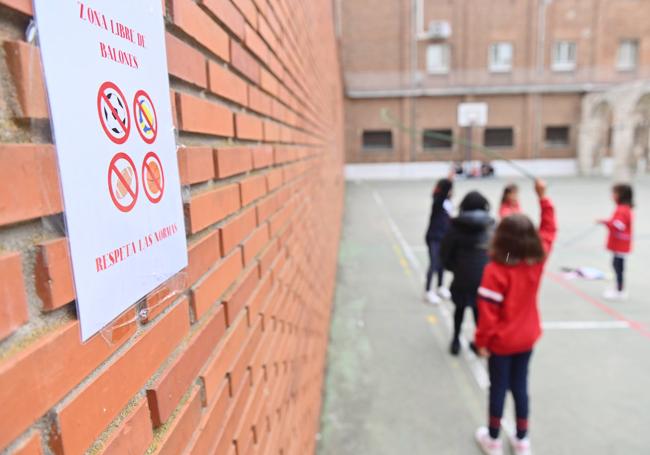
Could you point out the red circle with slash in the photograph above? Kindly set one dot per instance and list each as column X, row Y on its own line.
column 113, row 112
column 123, row 182
column 153, row 177
column 146, row 119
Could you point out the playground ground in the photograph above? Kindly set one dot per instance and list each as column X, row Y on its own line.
column 393, row 388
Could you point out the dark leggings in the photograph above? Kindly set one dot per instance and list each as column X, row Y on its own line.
column 434, row 264
column 462, row 300
column 509, row 372
column 619, row 268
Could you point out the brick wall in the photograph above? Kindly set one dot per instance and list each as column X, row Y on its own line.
column 234, row 364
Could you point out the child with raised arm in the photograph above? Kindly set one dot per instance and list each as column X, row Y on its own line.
column 619, row 241
column 509, row 321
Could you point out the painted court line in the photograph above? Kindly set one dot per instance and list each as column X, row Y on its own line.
column 585, row 325
column 634, row 325
column 476, row 367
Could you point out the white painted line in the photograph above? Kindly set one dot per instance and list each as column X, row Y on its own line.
column 474, row 363
column 585, row 325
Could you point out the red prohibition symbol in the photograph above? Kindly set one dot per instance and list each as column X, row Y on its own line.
column 123, row 182
column 146, row 120
column 153, row 177
column 113, row 112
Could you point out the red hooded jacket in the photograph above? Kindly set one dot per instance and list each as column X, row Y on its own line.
column 620, row 230
column 509, row 321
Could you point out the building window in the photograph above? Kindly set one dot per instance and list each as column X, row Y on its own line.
column 628, row 53
column 437, row 139
column 557, row 136
column 500, row 57
column 377, row 139
column 438, row 58
column 498, row 137
column 564, row 56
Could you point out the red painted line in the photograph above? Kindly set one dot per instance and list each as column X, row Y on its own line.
column 148, row 120
column 114, row 111
column 635, row 325
column 123, row 180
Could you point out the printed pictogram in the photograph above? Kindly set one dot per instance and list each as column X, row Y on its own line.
column 113, row 112
column 123, row 182
column 153, row 177
column 146, row 120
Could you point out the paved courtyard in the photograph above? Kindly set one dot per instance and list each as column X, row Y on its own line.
column 391, row 386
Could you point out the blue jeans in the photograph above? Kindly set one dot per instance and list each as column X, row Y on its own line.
column 509, row 372
column 434, row 264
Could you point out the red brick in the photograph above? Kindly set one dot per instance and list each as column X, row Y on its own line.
column 32, row 446
column 207, row 208
column 215, row 283
column 268, row 82
column 22, row 375
column 133, row 435
column 262, row 157
column 53, row 273
column 197, row 115
column 13, row 310
column 195, row 164
column 248, row 127
column 254, row 244
column 185, row 62
column 254, row 43
column 86, row 414
column 237, row 229
column 274, row 179
column 234, row 414
column 226, row 12
column 24, row 63
column 266, row 208
column 259, row 101
column 224, row 83
column 252, row 188
column 29, row 182
column 284, row 154
column 242, row 60
column 236, row 298
column 248, row 10
column 215, row 371
column 179, row 432
column 22, row 6
column 203, row 254
column 168, row 389
column 211, row 422
column 232, row 161
column 196, row 23
column 269, row 256
column 271, row 131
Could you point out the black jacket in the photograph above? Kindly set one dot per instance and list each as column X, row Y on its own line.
column 464, row 250
column 439, row 218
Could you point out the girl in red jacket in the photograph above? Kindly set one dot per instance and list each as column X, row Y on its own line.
column 509, row 322
column 509, row 201
column 619, row 241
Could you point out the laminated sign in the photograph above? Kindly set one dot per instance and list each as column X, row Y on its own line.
column 106, row 76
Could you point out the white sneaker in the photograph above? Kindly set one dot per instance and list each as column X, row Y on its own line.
column 488, row 445
column 444, row 293
column 432, row 297
column 520, row 446
column 615, row 294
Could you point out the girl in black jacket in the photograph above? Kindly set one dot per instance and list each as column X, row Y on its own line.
column 441, row 208
column 464, row 251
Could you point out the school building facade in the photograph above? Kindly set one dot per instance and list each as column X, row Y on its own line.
column 531, row 61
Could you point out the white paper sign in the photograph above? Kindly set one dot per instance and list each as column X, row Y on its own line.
column 472, row 114
column 106, row 76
